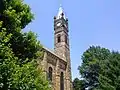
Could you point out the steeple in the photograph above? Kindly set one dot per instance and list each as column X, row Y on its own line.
column 61, row 13
column 61, row 44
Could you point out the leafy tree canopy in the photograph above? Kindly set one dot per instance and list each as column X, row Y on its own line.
column 78, row 84
column 100, row 69
column 109, row 76
column 90, row 67
column 19, row 51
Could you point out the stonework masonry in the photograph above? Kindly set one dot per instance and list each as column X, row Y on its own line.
column 56, row 64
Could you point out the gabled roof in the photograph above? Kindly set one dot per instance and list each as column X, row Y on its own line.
column 52, row 52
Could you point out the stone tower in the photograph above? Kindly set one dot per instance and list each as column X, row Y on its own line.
column 56, row 64
column 61, row 44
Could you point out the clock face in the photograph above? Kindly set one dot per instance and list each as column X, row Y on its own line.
column 58, row 24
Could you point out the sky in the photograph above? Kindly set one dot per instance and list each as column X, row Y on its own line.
column 91, row 22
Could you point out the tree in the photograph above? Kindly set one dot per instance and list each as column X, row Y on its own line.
column 19, row 51
column 78, row 84
column 91, row 65
column 109, row 76
column 15, row 16
column 7, row 60
column 101, row 69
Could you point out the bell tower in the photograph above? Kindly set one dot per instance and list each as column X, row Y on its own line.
column 61, row 40
column 61, row 43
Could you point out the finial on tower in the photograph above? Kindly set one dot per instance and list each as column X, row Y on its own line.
column 61, row 12
column 60, row 2
column 60, row 5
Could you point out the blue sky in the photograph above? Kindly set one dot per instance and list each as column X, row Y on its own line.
column 91, row 22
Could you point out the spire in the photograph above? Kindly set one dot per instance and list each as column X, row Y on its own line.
column 61, row 13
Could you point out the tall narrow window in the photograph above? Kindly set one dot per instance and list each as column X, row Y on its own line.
column 65, row 39
column 59, row 38
column 62, row 81
column 50, row 74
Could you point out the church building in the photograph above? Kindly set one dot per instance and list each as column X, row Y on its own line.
column 57, row 64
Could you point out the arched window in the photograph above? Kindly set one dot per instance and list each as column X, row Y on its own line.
column 50, row 74
column 62, row 81
column 58, row 38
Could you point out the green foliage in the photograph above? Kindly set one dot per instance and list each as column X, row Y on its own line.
column 26, row 47
column 101, row 69
column 15, row 14
column 91, row 65
column 7, row 60
column 109, row 77
column 78, row 84
column 19, row 51
column 28, row 77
